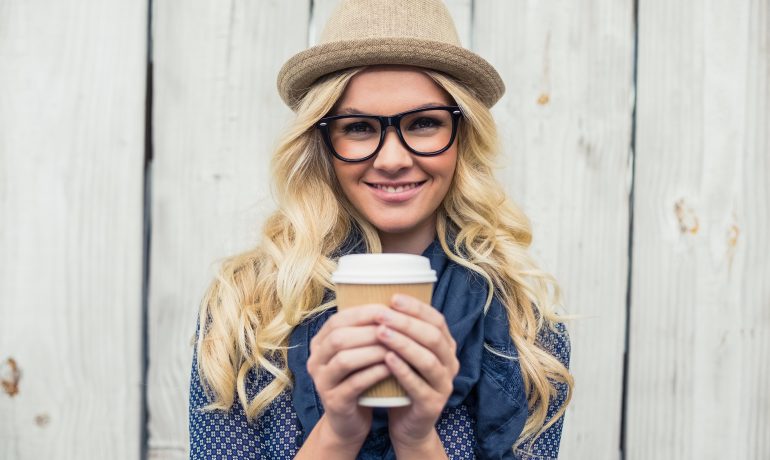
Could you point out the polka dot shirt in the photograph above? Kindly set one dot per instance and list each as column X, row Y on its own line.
column 277, row 433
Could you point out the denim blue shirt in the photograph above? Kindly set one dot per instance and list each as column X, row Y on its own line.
column 483, row 417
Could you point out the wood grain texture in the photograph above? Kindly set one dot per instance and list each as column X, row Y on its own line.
column 72, row 92
column 700, row 318
column 216, row 119
column 565, row 125
column 699, row 337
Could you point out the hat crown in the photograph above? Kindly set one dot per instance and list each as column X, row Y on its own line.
column 360, row 33
column 361, row 19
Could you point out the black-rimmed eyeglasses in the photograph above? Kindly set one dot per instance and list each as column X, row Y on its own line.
column 425, row 132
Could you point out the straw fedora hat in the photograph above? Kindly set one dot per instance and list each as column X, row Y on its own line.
column 409, row 32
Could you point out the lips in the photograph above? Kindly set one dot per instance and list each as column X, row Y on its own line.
column 396, row 192
column 396, row 188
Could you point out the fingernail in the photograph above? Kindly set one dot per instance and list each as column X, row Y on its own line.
column 399, row 300
column 386, row 332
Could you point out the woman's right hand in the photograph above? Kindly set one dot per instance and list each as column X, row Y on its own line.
column 346, row 359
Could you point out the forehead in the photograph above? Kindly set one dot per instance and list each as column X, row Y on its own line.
column 391, row 89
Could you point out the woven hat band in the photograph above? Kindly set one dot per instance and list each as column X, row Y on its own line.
column 358, row 19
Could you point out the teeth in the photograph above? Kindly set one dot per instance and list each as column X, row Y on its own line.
column 398, row 189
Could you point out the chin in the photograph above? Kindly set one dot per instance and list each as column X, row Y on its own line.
column 392, row 228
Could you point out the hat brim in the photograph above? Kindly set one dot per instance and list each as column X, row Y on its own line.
column 301, row 70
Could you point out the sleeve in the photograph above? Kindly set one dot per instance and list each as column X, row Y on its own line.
column 546, row 447
column 219, row 435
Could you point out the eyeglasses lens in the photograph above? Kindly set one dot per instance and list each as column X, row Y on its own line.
column 426, row 131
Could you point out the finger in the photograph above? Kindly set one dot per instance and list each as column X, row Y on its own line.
column 356, row 316
column 424, row 333
column 414, row 385
column 414, row 307
column 348, row 391
column 343, row 338
column 347, row 362
column 424, row 361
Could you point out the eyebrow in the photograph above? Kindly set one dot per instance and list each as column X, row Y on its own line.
column 355, row 111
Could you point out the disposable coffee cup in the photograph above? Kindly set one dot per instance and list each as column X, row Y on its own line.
column 373, row 278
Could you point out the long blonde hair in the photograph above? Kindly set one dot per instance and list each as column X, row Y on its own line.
column 259, row 296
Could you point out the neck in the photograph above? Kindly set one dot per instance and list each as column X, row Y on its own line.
column 414, row 241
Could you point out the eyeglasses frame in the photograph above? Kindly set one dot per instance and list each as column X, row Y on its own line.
column 385, row 121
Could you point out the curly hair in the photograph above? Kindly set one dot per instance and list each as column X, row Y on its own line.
column 257, row 297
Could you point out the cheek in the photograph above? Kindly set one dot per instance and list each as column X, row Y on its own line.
column 341, row 173
column 444, row 166
column 347, row 176
column 446, row 172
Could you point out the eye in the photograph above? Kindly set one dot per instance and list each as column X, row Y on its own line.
column 357, row 127
column 426, row 123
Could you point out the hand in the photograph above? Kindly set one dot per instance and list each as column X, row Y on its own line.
column 417, row 335
column 346, row 359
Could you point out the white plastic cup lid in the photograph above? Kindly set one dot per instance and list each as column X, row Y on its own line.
column 390, row 268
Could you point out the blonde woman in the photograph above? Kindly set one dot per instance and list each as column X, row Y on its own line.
column 392, row 150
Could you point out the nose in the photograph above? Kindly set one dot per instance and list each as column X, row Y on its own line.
column 393, row 155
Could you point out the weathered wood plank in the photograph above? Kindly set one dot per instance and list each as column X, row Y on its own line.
column 565, row 124
column 72, row 92
column 217, row 116
column 700, row 336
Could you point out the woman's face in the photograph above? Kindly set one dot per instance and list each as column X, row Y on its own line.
column 407, row 215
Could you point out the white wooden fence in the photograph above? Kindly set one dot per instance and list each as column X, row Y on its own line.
column 636, row 138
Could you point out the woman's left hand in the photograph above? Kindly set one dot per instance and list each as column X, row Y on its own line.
column 417, row 335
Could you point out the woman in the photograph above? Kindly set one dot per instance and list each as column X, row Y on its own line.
column 391, row 151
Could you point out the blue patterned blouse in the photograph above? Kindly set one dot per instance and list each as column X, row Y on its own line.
column 482, row 419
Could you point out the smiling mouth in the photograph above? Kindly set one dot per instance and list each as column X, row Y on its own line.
column 399, row 189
